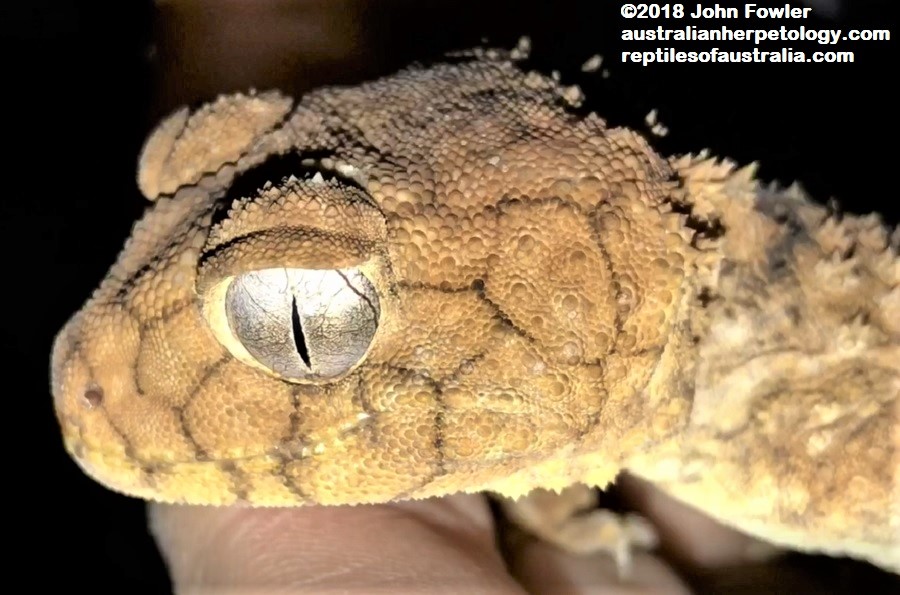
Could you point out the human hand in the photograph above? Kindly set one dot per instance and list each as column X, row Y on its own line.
column 444, row 544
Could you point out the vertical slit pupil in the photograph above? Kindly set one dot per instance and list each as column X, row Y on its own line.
column 299, row 337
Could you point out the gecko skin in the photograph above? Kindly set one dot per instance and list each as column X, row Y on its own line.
column 455, row 282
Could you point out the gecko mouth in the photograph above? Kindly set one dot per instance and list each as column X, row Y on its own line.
column 171, row 481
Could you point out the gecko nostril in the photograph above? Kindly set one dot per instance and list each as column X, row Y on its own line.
column 93, row 397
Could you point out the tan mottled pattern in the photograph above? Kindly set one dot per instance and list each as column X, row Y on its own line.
column 557, row 301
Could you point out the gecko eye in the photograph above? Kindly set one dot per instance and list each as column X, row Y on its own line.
column 303, row 324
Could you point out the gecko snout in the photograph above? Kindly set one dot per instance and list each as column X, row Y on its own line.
column 108, row 426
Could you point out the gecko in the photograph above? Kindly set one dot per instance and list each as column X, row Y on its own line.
column 452, row 279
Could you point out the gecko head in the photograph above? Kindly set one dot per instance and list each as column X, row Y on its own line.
column 476, row 309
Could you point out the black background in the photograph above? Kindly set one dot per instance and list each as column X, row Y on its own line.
column 84, row 84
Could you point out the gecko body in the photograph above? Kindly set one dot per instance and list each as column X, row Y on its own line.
column 448, row 280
